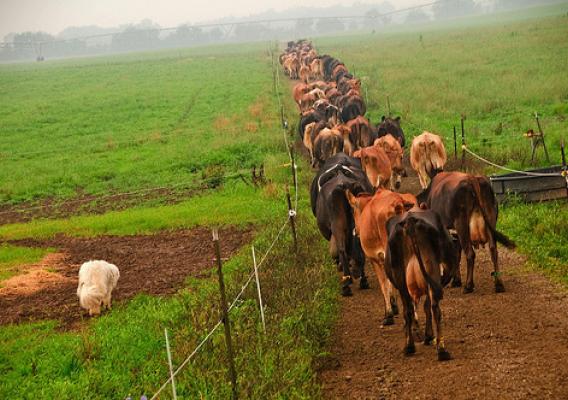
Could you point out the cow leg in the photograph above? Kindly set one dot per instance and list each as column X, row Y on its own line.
column 408, row 308
column 499, row 287
column 457, row 280
column 428, row 332
column 443, row 354
column 359, row 258
column 346, row 279
column 386, row 289
column 462, row 228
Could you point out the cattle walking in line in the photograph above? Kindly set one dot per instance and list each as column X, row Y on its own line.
column 427, row 156
column 413, row 243
column 420, row 260
column 394, row 151
column 376, row 165
column 466, row 203
column 335, row 218
column 371, row 213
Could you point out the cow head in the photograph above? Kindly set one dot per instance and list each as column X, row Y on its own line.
column 376, row 166
column 357, row 204
column 392, row 126
column 394, row 151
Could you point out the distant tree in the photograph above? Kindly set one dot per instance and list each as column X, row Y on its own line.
column 417, row 16
column 329, row 25
column 251, row 32
column 187, row 35
column 145, row 35
column 508, row 4
column 216, row 34
column 374, row 19
column 454, row 8
column 304, row 26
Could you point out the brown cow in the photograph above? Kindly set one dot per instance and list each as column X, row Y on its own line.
column 427, row 156
column 299, row 90
column 420, row 260
column 327, row 143
column 305, row 73
column 394, row 151
column 361, row 132
column 371, row 214
column 466, row 204
column 376, row 165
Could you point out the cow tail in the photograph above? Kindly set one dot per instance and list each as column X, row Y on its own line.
column 436, row 286
column 499, row 237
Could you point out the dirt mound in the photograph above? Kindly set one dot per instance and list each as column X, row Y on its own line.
column 155, row 264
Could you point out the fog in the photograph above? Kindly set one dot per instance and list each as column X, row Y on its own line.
column 53, row 16
column 39, row 29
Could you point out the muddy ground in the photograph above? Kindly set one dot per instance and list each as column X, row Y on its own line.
column 154, row 264
column 511, row 345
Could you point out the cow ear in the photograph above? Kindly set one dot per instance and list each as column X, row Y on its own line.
column 398, row 209
column 383, row 118
column 397, row 119
column 357, row 154
column 423, row 206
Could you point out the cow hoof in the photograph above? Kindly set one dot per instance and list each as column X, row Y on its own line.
column 468, row 289
column 428, row 340
column 444, row 355
column 364, row 283
column 389, row 320
column 499, row 287
column 456, row 283
column 409, row 349
column 346, row 291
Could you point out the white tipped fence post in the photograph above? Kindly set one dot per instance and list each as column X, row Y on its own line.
column 170, row 364
column 258, row 290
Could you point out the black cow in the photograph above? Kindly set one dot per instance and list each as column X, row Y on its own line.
column 335, row 217
column 392, row 126
column 352, row 107
column 421, row 258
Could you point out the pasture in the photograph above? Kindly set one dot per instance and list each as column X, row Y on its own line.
column 179, row 131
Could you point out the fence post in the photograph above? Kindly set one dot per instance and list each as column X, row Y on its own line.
column 293, row 166
column 455, row 145
column 292, row 215
column 258, row 290
column 225, row 315
column 463, row 142
column 541, row 139
column 170, row 364
column 564, row 167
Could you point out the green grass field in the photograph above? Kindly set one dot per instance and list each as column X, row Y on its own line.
column 169, row 119
column 497, row 73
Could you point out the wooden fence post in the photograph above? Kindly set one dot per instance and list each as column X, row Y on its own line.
column 225, row 315
column 564, row 167
column 293, row 166
column 540, row 139
column 455, row 145
column 463, row 142
column 292, row 215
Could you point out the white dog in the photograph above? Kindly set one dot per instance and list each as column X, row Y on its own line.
column 97, row 279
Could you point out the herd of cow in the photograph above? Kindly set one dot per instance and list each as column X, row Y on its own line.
column 413, row 242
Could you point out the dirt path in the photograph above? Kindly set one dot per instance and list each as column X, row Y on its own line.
column 153, row 264
column 512, row 345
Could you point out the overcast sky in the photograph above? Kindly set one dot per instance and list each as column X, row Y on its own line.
column 53, row 16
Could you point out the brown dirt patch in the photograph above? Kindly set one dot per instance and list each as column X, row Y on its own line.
column 512, row 345
column 155, row 264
